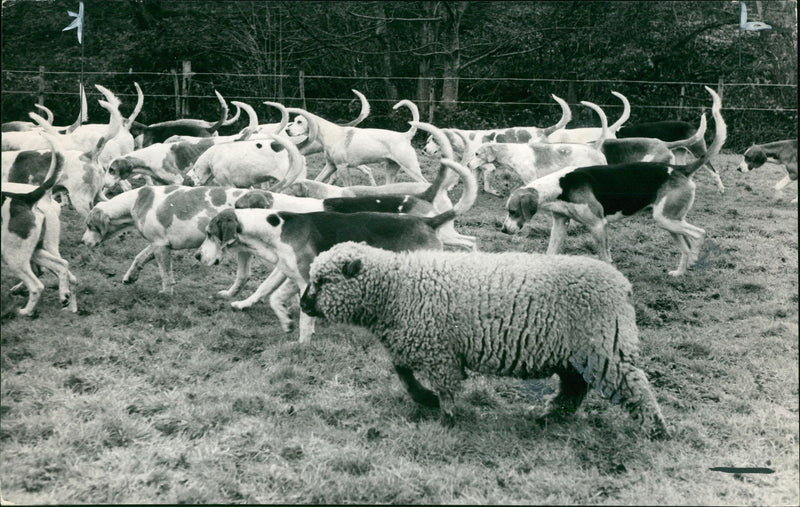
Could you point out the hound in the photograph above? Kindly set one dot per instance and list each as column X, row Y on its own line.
column 353, row 146
column 249, row 163
column 669, row 131
column 79, row 173
column 430, row 202
column 292, row 241
column 310, row 147
column 440, row 200
column 475, row 138
column 650, row 149
column 590, row 134
column 533, row 160
column 86, row 136
column 595, row 195
column 163, row 163
column 30, row 236
column 171, row 218
column 778, row 152
column 158, row 132
column 27, row 126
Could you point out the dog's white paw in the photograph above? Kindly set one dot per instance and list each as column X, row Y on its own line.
column 676, row 272
column 241, row 305
column 226, row 293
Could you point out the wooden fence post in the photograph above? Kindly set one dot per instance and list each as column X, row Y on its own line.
column 680, row 102
column 431, row 106
column 302, row 79
column 177, row 94
column 41, row 85
column 186, row 83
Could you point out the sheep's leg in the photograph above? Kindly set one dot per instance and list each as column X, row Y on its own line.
column 571, row 394
column 627, row 385
column 417, row 391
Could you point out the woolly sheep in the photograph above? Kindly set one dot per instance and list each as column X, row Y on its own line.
column 512, row 314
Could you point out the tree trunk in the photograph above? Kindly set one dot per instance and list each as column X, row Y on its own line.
column 427, row 39
column 451, row 57
column 380, row 32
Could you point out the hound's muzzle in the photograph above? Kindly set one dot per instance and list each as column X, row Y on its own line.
column 308, row 303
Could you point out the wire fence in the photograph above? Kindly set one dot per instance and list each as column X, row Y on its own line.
column 754, row 111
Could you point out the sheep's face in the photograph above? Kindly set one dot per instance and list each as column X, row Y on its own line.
column 522, row 205
column 335, row 291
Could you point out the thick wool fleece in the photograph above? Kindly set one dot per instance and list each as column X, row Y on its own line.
column 514, row 314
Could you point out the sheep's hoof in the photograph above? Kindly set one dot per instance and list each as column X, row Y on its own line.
column 447, row 420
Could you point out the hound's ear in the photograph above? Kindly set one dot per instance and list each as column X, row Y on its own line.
column 351, row 268
column 489, row 152
column 229, row 228
column 528, row 205
column 254, row 199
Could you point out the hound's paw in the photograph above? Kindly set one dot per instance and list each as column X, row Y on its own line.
column 676, row 272
column 241, row 305
column 127, row 280
column 287, row 326
column 227, row 293
column 31, row 314
column 168, row 292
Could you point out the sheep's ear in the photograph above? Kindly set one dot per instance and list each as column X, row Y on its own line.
column 351, row 268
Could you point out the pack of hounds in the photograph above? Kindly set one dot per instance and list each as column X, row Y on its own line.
column 380, row 256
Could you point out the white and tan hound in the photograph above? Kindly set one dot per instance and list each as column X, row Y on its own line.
column 30, row 237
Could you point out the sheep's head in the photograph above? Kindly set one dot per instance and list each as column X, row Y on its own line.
column 521, row 206
column 338, row 281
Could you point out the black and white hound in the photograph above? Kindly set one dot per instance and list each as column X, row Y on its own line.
column 778, row 152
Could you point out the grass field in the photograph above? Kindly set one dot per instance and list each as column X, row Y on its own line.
column 145, row 398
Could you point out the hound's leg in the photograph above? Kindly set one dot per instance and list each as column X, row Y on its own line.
column 367, row 171
column 244, row 259
column 487, row 170
column 326, row 172
column 410, row 165
column 143, row 257
column 273, row 281
column 714, row 174
column 557, row 233
column 692, row 238
column 281, row 301
column 780, row 186
column 417, row 391
column 164, row 259
column 343, row 175
column 32, row 283
column 60, row 267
